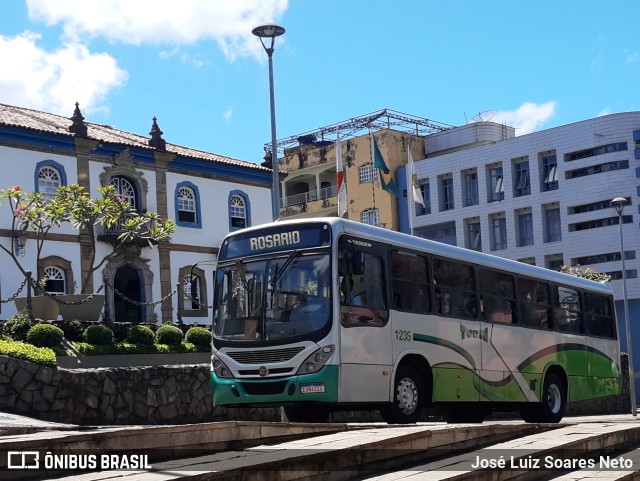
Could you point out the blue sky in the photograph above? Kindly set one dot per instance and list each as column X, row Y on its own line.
column 195, row 65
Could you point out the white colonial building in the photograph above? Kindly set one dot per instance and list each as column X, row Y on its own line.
column 206, row 194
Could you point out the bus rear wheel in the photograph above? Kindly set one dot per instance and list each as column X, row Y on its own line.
column 306, row 414
column 408, row 398
column 551, row 407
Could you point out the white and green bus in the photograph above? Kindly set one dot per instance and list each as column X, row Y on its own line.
column 326, row 314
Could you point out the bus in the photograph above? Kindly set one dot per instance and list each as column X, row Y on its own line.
column 326, row 314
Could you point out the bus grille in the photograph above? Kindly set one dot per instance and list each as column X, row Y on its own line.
column 265, row 357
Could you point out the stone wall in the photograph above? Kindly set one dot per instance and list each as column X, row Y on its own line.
column 158, row 395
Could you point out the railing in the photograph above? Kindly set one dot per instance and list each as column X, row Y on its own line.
column 324, row 193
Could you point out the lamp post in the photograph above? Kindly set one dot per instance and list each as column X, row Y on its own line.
column 271, row 31
column 618, row 204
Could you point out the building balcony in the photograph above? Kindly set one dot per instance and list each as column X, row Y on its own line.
column 313, row 202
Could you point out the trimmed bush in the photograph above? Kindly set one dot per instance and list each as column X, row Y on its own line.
column 140, row 335
column 45, row 335
column 72, row 330
column 21, row 350
column 198, row 336
column 17, row 326
column 98, row 335
column 170, row 335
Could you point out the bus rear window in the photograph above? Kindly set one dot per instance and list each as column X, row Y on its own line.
column 598, row 314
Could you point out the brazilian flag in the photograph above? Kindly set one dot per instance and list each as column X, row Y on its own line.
column 387, row 182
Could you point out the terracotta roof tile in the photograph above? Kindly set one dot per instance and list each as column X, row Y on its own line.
column 56, row 124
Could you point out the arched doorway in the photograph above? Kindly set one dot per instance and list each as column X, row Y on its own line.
column 128, row 282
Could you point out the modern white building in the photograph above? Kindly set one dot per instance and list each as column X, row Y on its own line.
column 206, row 194
column 543, row 198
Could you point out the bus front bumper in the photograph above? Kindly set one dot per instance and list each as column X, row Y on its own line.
column 321, row 386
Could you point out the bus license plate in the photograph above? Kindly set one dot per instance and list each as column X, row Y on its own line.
column 311, row 388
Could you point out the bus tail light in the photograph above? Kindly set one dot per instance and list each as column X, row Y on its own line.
column 316, row 360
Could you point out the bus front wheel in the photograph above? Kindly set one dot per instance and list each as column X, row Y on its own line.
column 408, row 398
column 551, row 407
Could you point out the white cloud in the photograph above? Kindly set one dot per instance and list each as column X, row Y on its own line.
column 228, row 23
column 604, row 111
column 528, row 117
column 55, row 80
column 228, row 114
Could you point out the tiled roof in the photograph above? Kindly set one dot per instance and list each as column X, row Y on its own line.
column 56, row 124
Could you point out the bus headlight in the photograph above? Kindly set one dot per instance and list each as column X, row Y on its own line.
column 316, row 360
column 219, row 368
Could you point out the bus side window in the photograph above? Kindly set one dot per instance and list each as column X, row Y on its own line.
column 454, row 289
column 566, row 310
column 410, row 282
column 599, row 316
column 534, row 302
column 497, row 291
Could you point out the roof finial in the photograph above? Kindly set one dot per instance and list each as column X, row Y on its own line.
column 78, row 127
column 156, row 139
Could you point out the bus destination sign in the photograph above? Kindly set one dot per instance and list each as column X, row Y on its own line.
column 273, row 239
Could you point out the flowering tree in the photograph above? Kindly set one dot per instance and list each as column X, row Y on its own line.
column 585, row 272
column 31, row 211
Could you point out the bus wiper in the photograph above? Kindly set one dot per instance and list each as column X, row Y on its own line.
column 278, row 274
column 243, row 274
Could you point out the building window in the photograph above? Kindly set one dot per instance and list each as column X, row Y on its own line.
column 552, row 225
column 238, row 212
column 474, row 238
column 598, row 169
column 498, row 233
column 597, row 223
column 446, row 194
column 126, row 189
column 191, row 289
column 49, row 175
column 603, row 149
column 194, row 289
column 367, row 173
column 554, row 261
column 602, row 258
column 370, row 216
column 525, row 229
column 188, row 205
column 522, row 185
column 496, row 185
column 593, row 206
column 426, row 195
column 471, row 196
column 445, row 233
column 54, row 280
column 549, row 173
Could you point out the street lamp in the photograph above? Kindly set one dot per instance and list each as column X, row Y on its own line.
column 618, row 204
column 271, row 31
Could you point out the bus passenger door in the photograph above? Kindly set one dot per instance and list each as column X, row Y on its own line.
column 365, row 341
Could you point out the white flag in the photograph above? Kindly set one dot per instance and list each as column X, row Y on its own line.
column 415, row 188
column 342, row 187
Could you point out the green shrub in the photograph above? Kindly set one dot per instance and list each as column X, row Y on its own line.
column 199, row 336
column 140, row 335
column 98, row 335
column 72, row 330
column 21, row 350
column 45, row 335
column 170, row 335
column 17, row 326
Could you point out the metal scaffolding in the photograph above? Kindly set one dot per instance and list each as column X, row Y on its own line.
column 379, row 120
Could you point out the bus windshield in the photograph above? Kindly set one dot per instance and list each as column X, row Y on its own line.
column 269, row 299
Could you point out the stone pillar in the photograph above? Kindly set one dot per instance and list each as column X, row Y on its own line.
column 84, row 147
column 162, row 159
